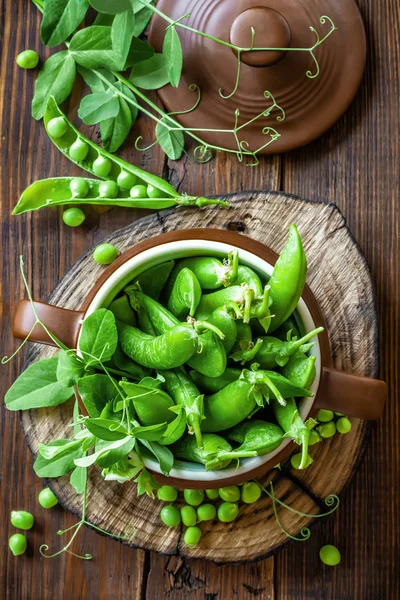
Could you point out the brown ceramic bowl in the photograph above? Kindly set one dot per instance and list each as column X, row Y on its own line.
column 335, row 390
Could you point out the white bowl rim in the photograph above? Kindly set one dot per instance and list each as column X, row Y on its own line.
column 197, row 247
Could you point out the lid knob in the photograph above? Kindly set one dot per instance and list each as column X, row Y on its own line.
column 271, row 31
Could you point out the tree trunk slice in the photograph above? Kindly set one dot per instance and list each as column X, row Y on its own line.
column 340, row 280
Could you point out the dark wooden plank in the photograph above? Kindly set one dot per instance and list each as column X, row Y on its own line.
column 356, row 166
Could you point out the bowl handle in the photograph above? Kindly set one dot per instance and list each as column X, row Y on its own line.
column 64, row 324
column 352, row 395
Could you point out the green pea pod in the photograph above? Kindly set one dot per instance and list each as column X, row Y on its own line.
column 144, row 323
column 274, row 352
column 122, row 310
column 228, row 407
column 152, row 382
column 260, row 436
column 185, row 295
column 214, row 384
column 175, row 429
column 244, row 338
column 284, row 387
column 210, row 272
column 288, row 279
column 225, row 319
column 250, row 278
column 301, row 371
column 210, row 358
column 216, row 452
column 167, row 351
column 153, row 280
column 244, row 297
column 123, row 363
column 289, row 419
column 152, row 406
column 185, row 393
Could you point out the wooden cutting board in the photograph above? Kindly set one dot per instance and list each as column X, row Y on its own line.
column 340, row 280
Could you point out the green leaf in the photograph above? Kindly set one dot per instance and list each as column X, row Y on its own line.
column 92, row 79
column 143, row 15
column 146, row 484
column 92, row 48
column 163, row 455
column 55, row 78
column 52, row 452
column 37, row 387
column 60, row 19
column 114, row 131
column 105, row 429
column 69, row 368
column 172, row 51
column 121, row 35
column 151, row 74
column 96, row 391
column 78, row 479
column 138, row 52
column 124, row 470
column 109, row 454
column 99, row 337
column 110, row 7
column 56, row 468
column 97, row 107
column 172, row 142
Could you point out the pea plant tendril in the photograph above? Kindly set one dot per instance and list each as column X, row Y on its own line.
column 119, row 95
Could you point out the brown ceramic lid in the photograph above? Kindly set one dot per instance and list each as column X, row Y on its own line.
column 311, row 105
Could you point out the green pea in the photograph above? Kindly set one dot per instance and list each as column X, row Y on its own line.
column 188, row 515
column 79, row 150
column 167, row 493
column 227, row 512
column 105, row 254
column 206, row 512
column 101, row 166
column 17, row 544
column 230, row 494
column 193, row 497
column 192, row 536
column 330, row 555
column 47, row 499
column 296, row 461
column 212, row 494
column 57, row 127
column 324, row 416
column 126, row 180
column 250, row 492
column 73, row 217
column 343, row 425
column 79, row 187
column 170, row 516
column 327, row 430
column 138, row 191
column 153, row 192
column 108, row 189
column 22, row 519
column 28, row 59
column 314, row 437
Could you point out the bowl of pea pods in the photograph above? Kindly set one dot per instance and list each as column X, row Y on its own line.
column 222, row 354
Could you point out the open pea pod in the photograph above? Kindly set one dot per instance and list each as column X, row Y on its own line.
column 259, row 436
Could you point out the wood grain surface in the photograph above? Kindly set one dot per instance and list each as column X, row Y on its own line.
column 355, row 165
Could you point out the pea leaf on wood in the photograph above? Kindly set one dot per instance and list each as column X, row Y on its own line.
column 115, row 130
column 172, row 142
column 150, row 74
column 92, row 48
column 38, row 387
column 55, row 78
column 110, row 7
column 69, row 368
column 138, row 51
column 97, row 107
column 96, row 391
column 99, row 337
column 121, row 35
column 111, row 453
column 172, row 51
column 78, row 479
column 60, row 19
column 60, row 466
column 143, row 15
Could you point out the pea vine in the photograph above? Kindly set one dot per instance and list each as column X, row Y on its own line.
column 103, row 51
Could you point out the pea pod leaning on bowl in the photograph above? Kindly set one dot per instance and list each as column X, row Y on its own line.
column 124, row 185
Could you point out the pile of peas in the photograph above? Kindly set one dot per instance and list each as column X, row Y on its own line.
column 329, row 424
column 22, row 519
column 198, row 507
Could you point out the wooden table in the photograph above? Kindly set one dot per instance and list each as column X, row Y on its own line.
column 354, row 165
